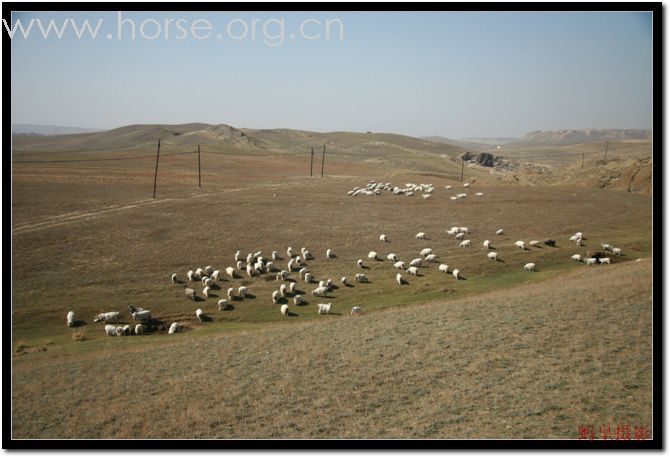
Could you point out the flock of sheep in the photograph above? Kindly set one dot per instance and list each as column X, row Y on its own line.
column 255, row 264
column 374, row 188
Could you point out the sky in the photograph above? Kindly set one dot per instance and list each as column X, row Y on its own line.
column 457, row 75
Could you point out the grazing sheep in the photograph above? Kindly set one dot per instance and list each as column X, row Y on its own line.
column 308, row 277
column 205, row 291
column 283, row 274
column 174, row 328
column 486, row 244
column 604, row 260
column 291, row 287
column 139, row 329
column 398, row 279
column 289, row 252
column 359, row 262
column 382, row 238
column 426, row 251
column 307, row 255
column 303, row 272
column 606, row 247
column 250, row 271
column 250, row 258
column 360, row 278
column 223, row 304
column 329, row 253
column 575, row 238
column 190, row 293
column 70, row 319
column 112, row 316
column 444, row 268
column 460, row 236
column 467, row 184
column 258, row 253
column 478, row 194
column 392, row 257
column 343, row 280
column 139, row 314
column 238, row 256
column 174, row 278
column 275, row 256
column 420, row 236
column 492, row 256
column 520, row 244
column 215, row 275
column 320, row 292
column 576, row 257
column 534, row 243
column 110, row 330
column 550, row 242
column 529, row 267
column 275, row 296
column 591, row 261
column 323, row 283
column 119, row 331
column 199, row 273
column 579, row 235
column 209, row 270
column 203, row 279
column 329, row 284
column 617, row 251
column 356, row 311
column 431, row 257
column 416, row 263
column 269, row 267
column 465, row 243
column 282, row 290
column 190, row 275
column 412, row 270
column 463, row 230
column 324, row 308
column 209, row 282
column 242, row 291
column 372, row 255
column 231, row 293
column 447, row 187
column 290, row 264
column 284, row 310
column 239, row 264
column 297, row 300
column 499, row 232
column 199, row 314
column 456, row 274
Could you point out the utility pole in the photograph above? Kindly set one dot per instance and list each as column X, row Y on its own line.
column 323, row 158
column 158, row 151
column 606, row 146
column 199, row 182
column 462, row 166
column 311, row 163
column 582, row 160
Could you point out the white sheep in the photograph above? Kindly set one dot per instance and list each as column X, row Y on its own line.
column 382, row 238
column 291, row 287
column 190, row 275
column 297, row 300
column 199, row 314
column 282, row 290
column 478, row 194
column 420, row 236
column 604, row 260
column 425, row 196
column 467, row 184
column 463, row 230
column 372, row 255
column 426, row 251
column 416, row 263
column 231, row 293
column 431, row 257
column 174, row 278
column 308, row 277
column 275, row 296
column 70, row 319
column 575, row 238
column 329, row 253
column 499, row 232
column 223, row 304
column 343, row 280
column 579, row 235
column 456, row 274
column 238, row 256
column 242, row 291
column 320, row 292
column 591, row 260
column 209, row 282
column 617, row 251
column 283, row 275
column 360, row 277
column 139, row 314
column 199, row 273
column 258, row 253
column 606, row 247
column 392, row 257
column 303, row 272
column 120, row 331
column 290, row 264
column 215, row 275
column 110, row 330
column 269, row 267
column 205, row 291
column 239, row 264
column 520, row 244
column 529, row 267
column 398, row 279
column 576, row 257
column 356, row 311
column 465, row 243
column 359, row 262
column 447, row 187
column 492, row 256
column 460, row 236
column 534, row 243
column 112, row 316
column 275, row 256
column 444, row 268
column 203, row 279
column 209, row 270
column 329, row 284
column 190, row 293
column 284, row 310
column 174, row 328
column 139, row 329
column 486, row 244
column 412, row 270
column 250, row 271
column 324, row 308
column 289, row 252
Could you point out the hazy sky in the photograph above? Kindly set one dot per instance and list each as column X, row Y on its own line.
column 452, row 74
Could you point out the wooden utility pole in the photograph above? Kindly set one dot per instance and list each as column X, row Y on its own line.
column 582, row 160
column 462, row 166
column 199, row 182
column 311, row 164
column 606, row 146
column 158, row 151
column 323, row 158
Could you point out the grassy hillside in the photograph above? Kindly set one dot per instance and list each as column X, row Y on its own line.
column 534, row 361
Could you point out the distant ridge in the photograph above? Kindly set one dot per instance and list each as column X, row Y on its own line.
column 47, row 130
column 575, row 136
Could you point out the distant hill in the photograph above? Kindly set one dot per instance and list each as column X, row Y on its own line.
column 575, row 136
column 40, row 129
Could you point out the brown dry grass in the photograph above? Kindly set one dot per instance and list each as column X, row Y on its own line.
column 535, row 361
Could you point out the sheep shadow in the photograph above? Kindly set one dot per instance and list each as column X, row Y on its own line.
column 349, row 285
column 211, row 295
column 304, row 303
column 365, row 267
column 78, row 323
column 205, row 318
column 197, row 299
column 292, row 314
column 461, row 278
column 334, row 314
column 500, row 260
column 298, row 292
column 249, row 296
column 282, row 300
column 334, row 287
column 228, row 307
